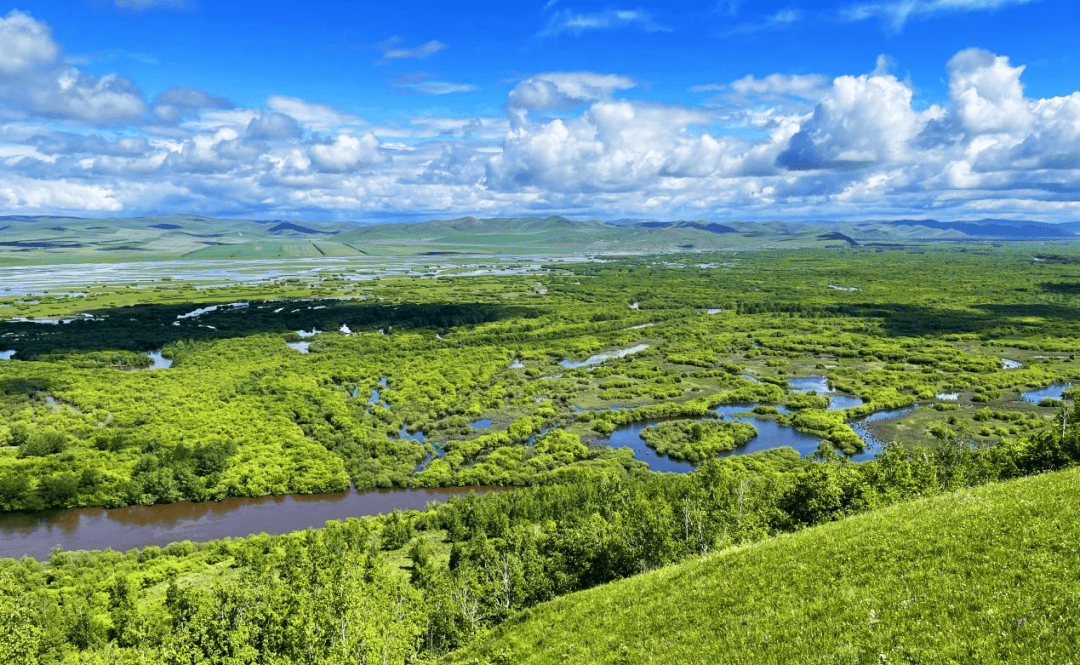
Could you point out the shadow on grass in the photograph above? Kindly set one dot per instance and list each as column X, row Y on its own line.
column 148, row 327
column 916, row 320
column 1066, row 288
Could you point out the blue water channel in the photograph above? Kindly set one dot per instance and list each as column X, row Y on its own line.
column 770, row 434
column 375, row 398
column 874, row 444
column 604, row 357
column 820, row 385
column 1053, row 391
column 158, row 361
column 420, row 437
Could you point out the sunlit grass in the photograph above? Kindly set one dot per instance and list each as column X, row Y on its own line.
column 990, row 575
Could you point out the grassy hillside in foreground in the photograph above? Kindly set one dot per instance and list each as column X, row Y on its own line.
column 990, row 575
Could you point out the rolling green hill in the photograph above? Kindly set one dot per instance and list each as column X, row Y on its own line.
column 990, row 575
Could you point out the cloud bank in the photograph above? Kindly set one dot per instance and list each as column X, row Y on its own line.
column 573, row 142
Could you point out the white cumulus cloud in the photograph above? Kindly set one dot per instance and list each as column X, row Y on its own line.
column 562, row 91
column 319, row 117
column 615, row 145
column 345, row 153
column 181, row 102
column 862, row 120
column 25, row 45
column 273, row 125
column 767, row 146
column 987, row 92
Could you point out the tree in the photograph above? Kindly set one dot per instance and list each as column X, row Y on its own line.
column 20, row 634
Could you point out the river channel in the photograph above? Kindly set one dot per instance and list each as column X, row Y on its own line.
column 34, row 534
column 770, row 434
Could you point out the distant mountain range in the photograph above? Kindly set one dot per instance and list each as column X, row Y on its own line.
column 926, row 229
column 998, row 228
column 52, row 239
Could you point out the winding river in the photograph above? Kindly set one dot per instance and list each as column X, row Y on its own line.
column 34, row 534
column 770, row 434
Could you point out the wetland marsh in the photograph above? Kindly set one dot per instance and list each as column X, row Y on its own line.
column 646, row 409
column 454, row 374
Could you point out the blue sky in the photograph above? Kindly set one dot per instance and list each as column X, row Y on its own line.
column 722, row 110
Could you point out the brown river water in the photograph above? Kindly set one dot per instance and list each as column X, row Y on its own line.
column 34, row 534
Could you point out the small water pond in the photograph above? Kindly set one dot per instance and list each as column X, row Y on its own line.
column 417, row 436
column 375, row 396
column 841, row 402
column 483, row 423
column 158, row 361
column 121, row 529
column 420, row 437
column 6, row 355
column 629, row 436
column 302, row 347
column 1053, row 391
column 820, row 385
column 602, row 357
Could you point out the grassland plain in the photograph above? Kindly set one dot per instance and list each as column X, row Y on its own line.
column 42, row 240
column 985, row 575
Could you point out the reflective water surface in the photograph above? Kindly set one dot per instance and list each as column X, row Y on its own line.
column 1053, row 391
column 121, row 529
column 158, row 361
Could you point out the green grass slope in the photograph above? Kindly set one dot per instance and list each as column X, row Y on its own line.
column 990, row 575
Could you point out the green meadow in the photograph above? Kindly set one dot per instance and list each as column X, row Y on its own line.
column 989, row 575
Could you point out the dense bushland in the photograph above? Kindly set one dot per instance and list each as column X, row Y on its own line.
column 406, row 587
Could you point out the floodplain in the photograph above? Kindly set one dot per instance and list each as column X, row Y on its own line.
column 617, row 392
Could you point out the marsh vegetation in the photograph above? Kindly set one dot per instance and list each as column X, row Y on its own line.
column 492, row 379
